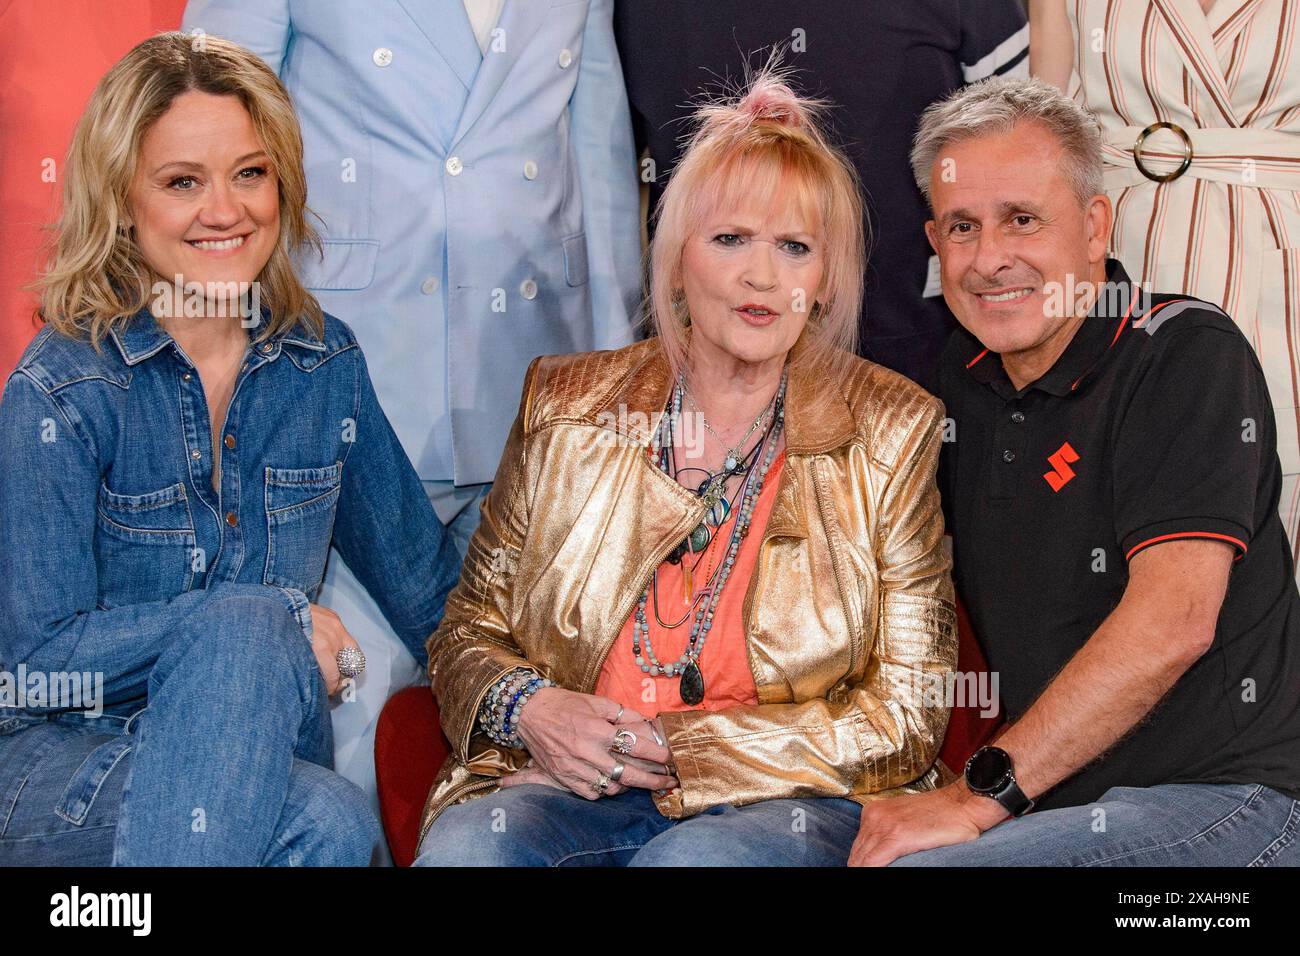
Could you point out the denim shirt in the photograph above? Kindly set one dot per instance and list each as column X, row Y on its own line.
column 111, row 531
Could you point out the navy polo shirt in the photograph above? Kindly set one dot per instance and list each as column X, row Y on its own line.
column 1153, row 425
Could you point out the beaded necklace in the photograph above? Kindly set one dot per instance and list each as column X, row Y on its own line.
column 686, row 668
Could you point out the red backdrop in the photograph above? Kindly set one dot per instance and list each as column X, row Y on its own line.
column 52, row 52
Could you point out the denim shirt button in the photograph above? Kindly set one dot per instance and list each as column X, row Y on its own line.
column 231, row 519
column 196, row 454
column 230, row 442
column 185, row 377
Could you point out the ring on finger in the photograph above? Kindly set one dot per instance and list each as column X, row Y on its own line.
column 351, row 661
column 655, row 733
column 601, row 784
column 617, row 773
column 624, row 741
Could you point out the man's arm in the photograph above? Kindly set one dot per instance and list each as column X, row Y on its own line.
column 260, row 25
column 1163, row 624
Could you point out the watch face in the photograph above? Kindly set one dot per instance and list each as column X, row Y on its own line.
column 987, row 770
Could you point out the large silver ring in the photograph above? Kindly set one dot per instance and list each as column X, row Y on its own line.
column 624, row 741
column 654, row 733
column 601, row 784
column 351, row 661
column 617, row 773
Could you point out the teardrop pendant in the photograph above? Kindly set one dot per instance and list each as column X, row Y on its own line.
column 692, row 684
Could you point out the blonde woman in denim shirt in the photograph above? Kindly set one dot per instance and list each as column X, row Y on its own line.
column 178, row 448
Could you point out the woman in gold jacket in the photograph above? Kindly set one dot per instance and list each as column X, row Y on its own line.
column 707, row 613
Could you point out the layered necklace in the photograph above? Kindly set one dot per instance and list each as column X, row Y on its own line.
column 718, row 510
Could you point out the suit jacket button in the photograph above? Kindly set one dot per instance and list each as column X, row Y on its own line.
column 454, row 166
column 528, row 289
column 382, row 56
column 566, row 59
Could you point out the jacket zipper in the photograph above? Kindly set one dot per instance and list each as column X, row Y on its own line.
column 450, row 798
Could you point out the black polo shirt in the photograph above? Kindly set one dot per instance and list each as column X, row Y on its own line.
column 1154, row 424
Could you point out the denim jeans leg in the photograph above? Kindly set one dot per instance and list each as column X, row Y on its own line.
column 230, row 707
column 813, row 832
column 326, row 821
column 60, row 791
column 539, row 825
column 1166, row 825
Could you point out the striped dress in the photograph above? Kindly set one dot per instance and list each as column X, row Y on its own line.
column 1228, row 229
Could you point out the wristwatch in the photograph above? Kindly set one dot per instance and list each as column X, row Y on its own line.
column 989, row 772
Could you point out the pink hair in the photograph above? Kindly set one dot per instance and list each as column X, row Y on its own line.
column 764, row 140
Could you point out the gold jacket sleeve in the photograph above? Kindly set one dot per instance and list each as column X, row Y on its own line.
column 881, row 733
column 473, row 647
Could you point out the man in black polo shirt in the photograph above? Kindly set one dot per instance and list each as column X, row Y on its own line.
column 1111, row 485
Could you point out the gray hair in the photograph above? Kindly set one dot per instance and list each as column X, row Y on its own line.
column 995, row 106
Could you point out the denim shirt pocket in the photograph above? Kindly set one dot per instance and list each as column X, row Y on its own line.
column 144, row 545
column 300, row 508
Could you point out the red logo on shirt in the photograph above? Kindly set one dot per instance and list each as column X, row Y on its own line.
column 1061, row 472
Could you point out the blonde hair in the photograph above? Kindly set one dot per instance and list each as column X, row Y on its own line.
column 763, row 139
column 96, row 277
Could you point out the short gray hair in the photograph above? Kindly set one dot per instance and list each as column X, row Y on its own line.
column 995, row 106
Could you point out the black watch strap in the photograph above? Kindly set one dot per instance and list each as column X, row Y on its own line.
column 1013, row 798
column 989, row 772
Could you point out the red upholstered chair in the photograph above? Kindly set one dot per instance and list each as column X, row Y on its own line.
column 410, row 747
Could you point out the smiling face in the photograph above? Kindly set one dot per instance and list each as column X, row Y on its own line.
column 1009, row 230
column 204, row 199
column 751, row 272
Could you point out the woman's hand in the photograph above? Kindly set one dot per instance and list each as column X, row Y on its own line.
column 569, row 736
column 328, row 637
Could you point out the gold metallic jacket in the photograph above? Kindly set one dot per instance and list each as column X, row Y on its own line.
column 849, row 610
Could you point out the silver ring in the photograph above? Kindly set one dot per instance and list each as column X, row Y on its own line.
column 624, row 741
column 351, row 661
column 619, row 715
column 654, row 733
column 617, row 773
column 601, row 784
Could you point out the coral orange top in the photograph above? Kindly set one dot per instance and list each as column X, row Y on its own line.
column 724, row 662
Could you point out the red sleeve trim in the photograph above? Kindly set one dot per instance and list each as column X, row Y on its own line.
column 1237, row 542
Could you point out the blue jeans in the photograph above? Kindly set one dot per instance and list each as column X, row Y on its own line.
column 219, row 755
column 1168, row 825
column 538, row 825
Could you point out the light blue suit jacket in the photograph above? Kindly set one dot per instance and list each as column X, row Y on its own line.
column 479, row 209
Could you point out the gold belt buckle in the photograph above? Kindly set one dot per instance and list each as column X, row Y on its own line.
column 1187, row 152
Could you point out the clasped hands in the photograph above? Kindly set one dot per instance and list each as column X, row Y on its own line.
column 570, row 737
